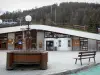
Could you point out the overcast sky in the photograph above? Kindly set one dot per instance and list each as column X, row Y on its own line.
column 12, row 5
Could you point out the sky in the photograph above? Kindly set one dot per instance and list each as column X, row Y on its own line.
column 14, row 5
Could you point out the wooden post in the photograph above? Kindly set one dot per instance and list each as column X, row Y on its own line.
column 44, row 60
column 9, row 63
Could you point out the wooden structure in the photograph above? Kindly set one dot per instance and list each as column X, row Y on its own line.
column 27, row 57
column 30, row 43
column 85, row 55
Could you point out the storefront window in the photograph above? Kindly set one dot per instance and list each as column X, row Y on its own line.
column 18, row 40
column 69, row 43
column 49, row 34
column 3, row 41
column 59, row 43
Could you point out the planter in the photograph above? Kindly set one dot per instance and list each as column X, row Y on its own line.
column 27, row 57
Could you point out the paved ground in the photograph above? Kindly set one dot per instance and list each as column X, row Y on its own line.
column 58, row 61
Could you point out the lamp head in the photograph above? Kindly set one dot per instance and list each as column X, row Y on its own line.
column 28, row 18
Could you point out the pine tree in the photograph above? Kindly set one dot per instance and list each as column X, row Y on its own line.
column 92, row 26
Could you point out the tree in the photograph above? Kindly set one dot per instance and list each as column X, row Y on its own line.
column 92, row 26
column 67, row 13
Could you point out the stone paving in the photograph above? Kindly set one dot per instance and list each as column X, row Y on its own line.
column 58, row 61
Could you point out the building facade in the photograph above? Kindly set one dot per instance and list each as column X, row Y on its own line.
column 49, row 40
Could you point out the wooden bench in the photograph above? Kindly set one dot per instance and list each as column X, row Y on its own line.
column 85, row 55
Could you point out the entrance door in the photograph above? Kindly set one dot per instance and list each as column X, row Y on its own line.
column 49, row 45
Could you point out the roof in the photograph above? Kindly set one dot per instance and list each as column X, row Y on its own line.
column 53, row 29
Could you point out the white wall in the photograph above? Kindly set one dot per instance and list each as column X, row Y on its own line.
column 40, row 38
column 64, row 43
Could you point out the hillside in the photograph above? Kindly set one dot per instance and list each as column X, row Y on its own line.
column 71, row 13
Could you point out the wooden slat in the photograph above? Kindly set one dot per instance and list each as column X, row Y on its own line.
column 87, row 52
column 86, row 55
column 27, row 58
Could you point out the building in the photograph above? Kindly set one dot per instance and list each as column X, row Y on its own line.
column 98, row 42
column 47, row 38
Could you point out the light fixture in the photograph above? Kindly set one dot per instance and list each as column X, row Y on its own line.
column 28, row 18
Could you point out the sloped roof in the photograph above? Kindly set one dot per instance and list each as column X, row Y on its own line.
column 53, row 29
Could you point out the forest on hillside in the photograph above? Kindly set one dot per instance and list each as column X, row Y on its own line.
column 67, row 13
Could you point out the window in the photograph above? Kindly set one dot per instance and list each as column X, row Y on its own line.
column 48, row 35
column 84, row 43
column 59, row 43
column 69, row 43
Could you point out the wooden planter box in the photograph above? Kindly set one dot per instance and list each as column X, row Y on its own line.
column 27, row 57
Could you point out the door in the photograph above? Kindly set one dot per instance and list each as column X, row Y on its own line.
column 49, row 45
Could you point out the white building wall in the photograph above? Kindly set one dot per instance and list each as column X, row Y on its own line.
column 64, row 43
column 40, row 39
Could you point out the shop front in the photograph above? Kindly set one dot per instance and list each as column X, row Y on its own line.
column 3, row 42
column 18, row 41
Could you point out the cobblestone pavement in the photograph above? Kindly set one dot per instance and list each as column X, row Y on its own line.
column 58, row 61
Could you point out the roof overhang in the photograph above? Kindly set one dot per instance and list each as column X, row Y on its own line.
column 52, row 29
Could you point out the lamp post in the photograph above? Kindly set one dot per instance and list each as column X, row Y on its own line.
column 24, row 41
column 28, row 18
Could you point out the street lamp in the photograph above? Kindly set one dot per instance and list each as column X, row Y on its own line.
column 28, row 18
column 0, row 21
